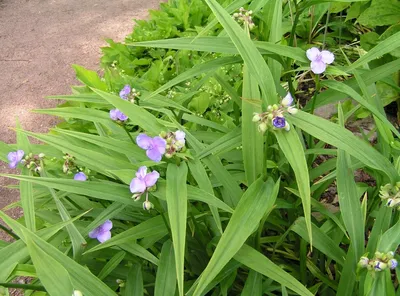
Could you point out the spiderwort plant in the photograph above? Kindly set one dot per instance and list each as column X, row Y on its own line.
column 142, row 183
column 275, row 115
column 15, row 157
column 80, row 176
column 103, row 232
column 117, row 115
column 380, row 262
column 175, row 142
column 319, row 59
column 129, row 94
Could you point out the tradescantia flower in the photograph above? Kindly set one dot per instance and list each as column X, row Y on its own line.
column 175, row 142
column 155, row 147
column 142, row 183
column 319, row 59
column 392, row 263
column 380, row 262
column 124, row 93
column 115, row 114
column 15, row 158
column 102, row 233
column 275, row 115
column 143, row 180
column 80, row 176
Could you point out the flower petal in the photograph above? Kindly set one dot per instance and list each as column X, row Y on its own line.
column 137, row 186
column 287, row 100
column 121, row 116
column 327, row 57
column 180, row 135
column 151, row 178
column 154, row 154
column 144, row 141
column 125, row 92
column 114, row 114
column 80, row 176
column 318, row 67
column 141, row 172
column 12, row 156
column 106, row 226
column 104, row 236
column 20, row 154
column 160, row 144
column 94, row 233
column 13, row 164
column 312, row 53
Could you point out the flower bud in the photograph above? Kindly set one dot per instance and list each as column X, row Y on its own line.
column 390, row 255
column 379, row 266
column 236, row 15
column 38, row 169
column 262, row 127
column 137, row 196
column 390, row 202
column 270, row 116
column 168, row 155
column 269, row 108
column 378, row 255
column 275, row 107
column 41, row 155
column 147, row 205
column 292, row 110
column 256, row 117
column 392, row 263
column 77, row 293
column 163, row 134
column 363, row 262
column 179, row 144
column 287, row 126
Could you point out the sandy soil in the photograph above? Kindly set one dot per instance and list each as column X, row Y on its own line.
column 39, row 40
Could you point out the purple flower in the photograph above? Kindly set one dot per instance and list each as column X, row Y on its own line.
column 319, row 59
column 124, row 93
column 143, row 180
column 392, row 263
column 102, row 233
column 180, row 139
column 279, row 122
column 80, row 176
column 287, row 100
column 115, row 114
column 15, row 158
column 155, row 147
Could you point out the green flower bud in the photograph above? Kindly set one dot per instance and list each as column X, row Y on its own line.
column 41, row 155
column 147, row 205
column 256, row 117
column 262, row 127
column 363, row 262
column 77, row 293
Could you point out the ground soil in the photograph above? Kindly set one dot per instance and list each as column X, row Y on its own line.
column 39, row 40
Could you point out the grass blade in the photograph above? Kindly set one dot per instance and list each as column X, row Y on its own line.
column 166, row 273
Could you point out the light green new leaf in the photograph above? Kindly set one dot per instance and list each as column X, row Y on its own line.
column 76, row 112
column 88, row 77
column 134, row 281
column 291, row 146
column 177, row 212
column 111, row 265
column 260, row 263
column 251, row 56
column 338, row 136
column 321, row 241
column 254, row 204
column 253, row 154
column 166, row 273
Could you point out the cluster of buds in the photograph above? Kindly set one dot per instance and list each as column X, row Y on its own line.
column 171, row 94
column 175, row 142
column 129, row 94
column 391, row 195
column 244, row 17
column 274, row 116
column 33, row 162
column 380, row 262
column 120, row 283
column 69, row 164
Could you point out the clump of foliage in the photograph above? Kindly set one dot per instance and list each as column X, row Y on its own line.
column 196, row 165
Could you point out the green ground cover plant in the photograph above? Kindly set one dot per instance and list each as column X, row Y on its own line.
column 197, row 162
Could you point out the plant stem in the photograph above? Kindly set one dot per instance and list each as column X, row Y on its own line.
column 9, row 232
column 129, row 134
column 317, row 88
column 157, row 202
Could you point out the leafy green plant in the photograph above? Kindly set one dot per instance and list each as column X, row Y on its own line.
column 192, row 167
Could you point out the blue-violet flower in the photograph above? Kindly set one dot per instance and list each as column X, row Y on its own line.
column 102, row 233
column 155, row 147
column 319, row 59
column 15, row 158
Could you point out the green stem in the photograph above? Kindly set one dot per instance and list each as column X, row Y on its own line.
column 158, row 204
column 129, row 134
column 317, row 88
column 265, row 156
column 24, row 287
column 9, row 232
column 294, row 26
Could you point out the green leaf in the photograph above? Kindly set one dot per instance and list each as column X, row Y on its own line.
column 137, row 115
column 260, row 263
column 251, row 56
column 386, row 46
column 254, row 204
column 76, row 112
column 134, row 281
column 82, row 279
column 252, row 139
column 223, row 45
column 90, row 78
column 139, row 251
column 166, row 273
column 200, row 102
column 321, row 241
column 344, row 139
column 177, row 212
column 111, row 265
column 292, row 147
column 390, row 239
column 380, row 13
column 253, row 285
